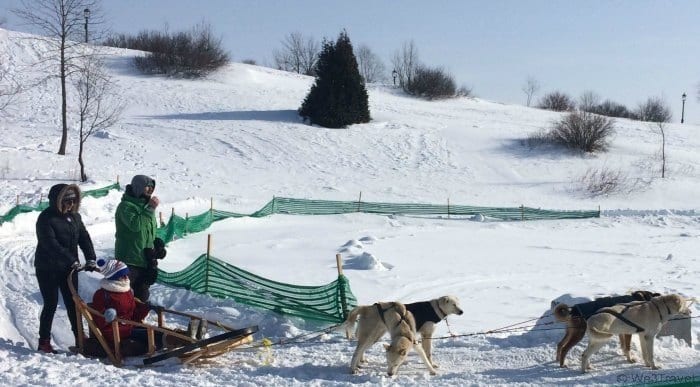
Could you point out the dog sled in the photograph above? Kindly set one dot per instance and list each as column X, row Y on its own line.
column 186, row 344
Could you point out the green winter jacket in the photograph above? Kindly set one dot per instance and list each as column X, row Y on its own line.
column 136, row 230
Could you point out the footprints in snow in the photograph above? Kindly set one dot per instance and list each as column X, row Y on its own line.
column 359, row 259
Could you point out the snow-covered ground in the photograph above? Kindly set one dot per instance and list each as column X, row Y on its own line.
column 235, row 138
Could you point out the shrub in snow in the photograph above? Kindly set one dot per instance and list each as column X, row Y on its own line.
column 654, row 110
column 431, row 83
column 338, row 97
column 192, row 53
column 583, row 131
column 557, row 101
column 611, row 109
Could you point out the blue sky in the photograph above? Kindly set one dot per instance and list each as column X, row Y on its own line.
column 624, row 50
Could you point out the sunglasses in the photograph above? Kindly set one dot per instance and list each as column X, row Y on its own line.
column 69, row 201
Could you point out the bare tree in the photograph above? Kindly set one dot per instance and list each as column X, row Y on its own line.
column 531, row 87
column 298, row 54
column 9, row 87
column 406, row 63
column 662, row 129
column 371, row 67
column 98, row 105
column 588, row 101
column 64, row 24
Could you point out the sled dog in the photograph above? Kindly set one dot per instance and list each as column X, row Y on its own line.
column 377, row 319
column 642, row 318
column 427, row 314
column 575, row 318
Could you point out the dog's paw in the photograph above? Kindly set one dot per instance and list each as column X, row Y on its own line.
column 435, row 365
column 631, row 360
column 655, row 367
column 433, row 372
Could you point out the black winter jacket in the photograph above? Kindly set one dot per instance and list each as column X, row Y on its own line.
column 59, row 234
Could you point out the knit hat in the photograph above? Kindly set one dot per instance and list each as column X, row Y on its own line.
column 70, row 194
column 112, row 269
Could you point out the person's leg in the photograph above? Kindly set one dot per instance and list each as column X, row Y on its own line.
column 68, row 301
column 48, row 287
column 138, row 283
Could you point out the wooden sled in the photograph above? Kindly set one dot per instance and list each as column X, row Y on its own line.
column 189, row 348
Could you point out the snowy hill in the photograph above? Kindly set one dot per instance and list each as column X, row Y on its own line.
column 235, row 138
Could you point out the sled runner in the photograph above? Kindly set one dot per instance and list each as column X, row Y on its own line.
column 186, row 344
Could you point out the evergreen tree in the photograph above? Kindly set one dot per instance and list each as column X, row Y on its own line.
column 338, row 96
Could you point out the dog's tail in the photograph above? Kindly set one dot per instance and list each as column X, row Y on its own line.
column 349, row 323
column 562, row 312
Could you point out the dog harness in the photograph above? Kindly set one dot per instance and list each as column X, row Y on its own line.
column 392, row 306
column 588, row 309
column 621, row 317
column 424, row 312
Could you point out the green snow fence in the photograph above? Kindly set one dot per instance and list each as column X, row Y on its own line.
column 211, row 276
column 178, row 226
column 23, row 208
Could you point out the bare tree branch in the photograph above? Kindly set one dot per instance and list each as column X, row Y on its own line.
column 298, row 54
column 61, row 23
column 370, row 66
column 99, row 107
column 406, row 63
column 531, row 87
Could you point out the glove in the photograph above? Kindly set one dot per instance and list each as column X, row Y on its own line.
column 159, row 251
column 90, row 266
column 110, row 314
column 76, row 266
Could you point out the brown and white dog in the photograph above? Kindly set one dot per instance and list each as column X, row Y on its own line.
column 375, row 321
column 575, row 318
column 642, row 318
column 425, row 315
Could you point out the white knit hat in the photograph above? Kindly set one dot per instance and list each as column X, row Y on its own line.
column 112, row 269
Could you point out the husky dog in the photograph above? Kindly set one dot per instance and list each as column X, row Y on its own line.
column 377, row 319
column 575, row 318
column 642, row 318
column 429, row 313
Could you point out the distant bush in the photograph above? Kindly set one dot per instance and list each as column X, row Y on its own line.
column 192, row 54
column 611, row 109
column 431, row 83
column 465, row 91
column 654, row 110
column 557, row 101
column 583, row 131
column 603, row 181
column 250, row 62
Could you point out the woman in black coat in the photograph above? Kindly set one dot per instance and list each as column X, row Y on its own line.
column 60, row 231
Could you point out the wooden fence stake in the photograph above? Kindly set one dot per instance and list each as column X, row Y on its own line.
column 522, row 212
column 448, row 208
column 359, row 202
column 206, row 271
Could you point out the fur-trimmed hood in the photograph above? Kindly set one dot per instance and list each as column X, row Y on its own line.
column 60, row 191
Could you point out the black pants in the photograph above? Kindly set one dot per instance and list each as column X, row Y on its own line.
column 137, row 278
column 50, row 282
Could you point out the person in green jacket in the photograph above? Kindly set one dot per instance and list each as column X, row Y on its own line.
column 136, row 233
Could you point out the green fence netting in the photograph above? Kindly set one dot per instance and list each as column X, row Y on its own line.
column 23, row 208
column 209, row 275
column 177, row 226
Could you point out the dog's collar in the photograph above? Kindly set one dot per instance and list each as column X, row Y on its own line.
column 444, row 315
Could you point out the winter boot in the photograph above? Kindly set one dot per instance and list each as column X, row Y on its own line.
column 45, row 346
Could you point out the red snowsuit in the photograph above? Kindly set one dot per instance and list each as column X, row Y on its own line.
column 126, row 307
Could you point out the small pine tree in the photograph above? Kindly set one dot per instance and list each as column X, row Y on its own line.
column 338, row 96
